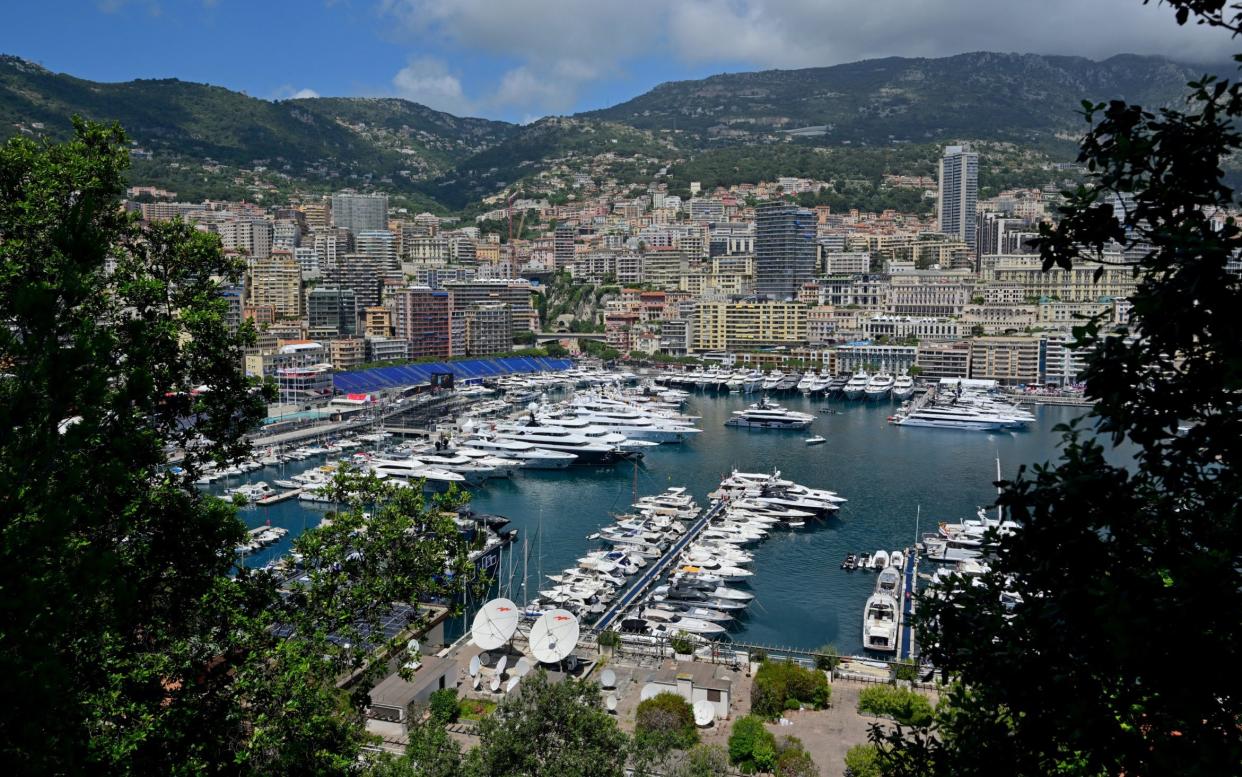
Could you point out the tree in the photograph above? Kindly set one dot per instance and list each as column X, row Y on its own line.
column 702, row 760
column 751, row 746
column 781, row 685
column 1073, row 673
column 664, row 722
column 550, row 728
column 443, row 706
column 862, row 761
column 131, row 642
column 792, row 759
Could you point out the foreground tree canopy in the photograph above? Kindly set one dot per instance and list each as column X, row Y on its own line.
column 130, row 643
column 1123, row 569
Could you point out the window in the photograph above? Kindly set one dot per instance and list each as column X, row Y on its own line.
column 713, row 694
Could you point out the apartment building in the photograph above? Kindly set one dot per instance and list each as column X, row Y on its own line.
column 421, row 317
column 1009, row 361
column 276, row 281
column 943, row 360
column 741, row 325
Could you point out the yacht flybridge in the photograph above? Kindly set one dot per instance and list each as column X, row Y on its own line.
column 769, row 415
column 857, row 386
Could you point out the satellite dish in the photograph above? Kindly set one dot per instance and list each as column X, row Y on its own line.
column 501, row 664
column 475, row 663
column 704, row 713
column 608, row 679
column 485, row 658
column 413, row 647
column 610, row 702
column 650, row 691
column 554, row 636
column 521, row 668
column 513, row 681
column 495, row 683
column 478, row 680
column 495, row 624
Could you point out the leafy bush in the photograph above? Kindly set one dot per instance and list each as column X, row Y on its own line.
column 792, row 759
column 900, row 704
column 609, row 638
column 681, row 644
column 443, row 705
column 827, row 658
column 906, row 670
column 751, row 746
column 702, row 760
column 862, row 761
column 666, row 721
column 782, row 685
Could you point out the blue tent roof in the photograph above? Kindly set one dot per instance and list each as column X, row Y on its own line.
column 361, row 381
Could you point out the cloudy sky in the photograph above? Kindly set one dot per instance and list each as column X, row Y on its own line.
column 522, row 59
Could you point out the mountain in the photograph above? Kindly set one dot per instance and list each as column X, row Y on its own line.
column 983, row 95
column 207, row 141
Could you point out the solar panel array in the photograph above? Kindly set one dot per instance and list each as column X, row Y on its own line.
column 362, row 381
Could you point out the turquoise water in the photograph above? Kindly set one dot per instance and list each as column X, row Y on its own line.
column 802, row 597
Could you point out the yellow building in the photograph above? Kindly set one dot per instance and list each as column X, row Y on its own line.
column 739, row 325
column 276, row 282
column 1006, row 360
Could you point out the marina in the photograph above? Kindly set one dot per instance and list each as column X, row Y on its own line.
column 802, row 597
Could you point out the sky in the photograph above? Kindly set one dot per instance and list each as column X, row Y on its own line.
column 518, row 60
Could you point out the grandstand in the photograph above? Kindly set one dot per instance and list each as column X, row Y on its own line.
column 469, row 370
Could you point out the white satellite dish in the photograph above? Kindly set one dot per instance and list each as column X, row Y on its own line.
column 513, row 681
column 501, row 664
column 413, row 647
column 495, row 683
column 649, row 692
column 608, row 679
column 521, row 668
column 478, row 680
column 610, row 702
column 554, row 636
column 495, row 623
column 475, row 663
column 704, row 713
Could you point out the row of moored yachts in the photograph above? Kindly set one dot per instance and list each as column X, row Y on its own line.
column 860, row 385
column 701, row 596
column 954, row 406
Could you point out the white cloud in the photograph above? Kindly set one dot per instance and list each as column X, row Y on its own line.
column 303, row 94
column 428, row 81
column 290, row 92
column 554, row 51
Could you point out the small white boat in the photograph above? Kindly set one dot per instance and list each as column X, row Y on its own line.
column 818, row 439
column 880, row 559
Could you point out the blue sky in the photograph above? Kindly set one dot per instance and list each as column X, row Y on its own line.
column 522, row 59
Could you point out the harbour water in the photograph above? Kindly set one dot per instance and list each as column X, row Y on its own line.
column 802, row 596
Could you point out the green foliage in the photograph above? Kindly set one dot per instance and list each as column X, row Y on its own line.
column 666, row 721
column 827, row 657
column 132, row 645
column 475, row 709
column 901, row 704
column 599, row 350
column 862, row 761
column 524, row 338
column 609, row 638
column 550, row 728
column 792, row 759
column 702, row 760
column 906, row 670
column 443, row 706
column 751, row 746
column 556, row 350
column 431, row 752
column 1070, row 672
column 778, row 683
column 681, row 644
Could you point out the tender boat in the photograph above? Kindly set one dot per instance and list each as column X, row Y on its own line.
column 816, row 440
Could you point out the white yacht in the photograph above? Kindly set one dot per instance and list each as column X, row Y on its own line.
column 405, row 470
column 772, row 380
column 531, row 456
column 880, row 623
column 878, row 387
column 675, row 622
column 807, row 381
column 637, row 426
column 903, row 387
column 958, row 416
column 253, row 491
column 769, row 415
column 856, row 386
column 588, row 452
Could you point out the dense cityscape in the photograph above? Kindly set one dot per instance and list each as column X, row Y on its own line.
column 839, row 413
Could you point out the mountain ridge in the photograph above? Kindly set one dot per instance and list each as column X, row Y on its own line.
column 209, row 139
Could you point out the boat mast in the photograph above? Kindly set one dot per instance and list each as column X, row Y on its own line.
column 999, row 515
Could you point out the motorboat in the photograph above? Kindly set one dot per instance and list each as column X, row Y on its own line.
column 888, row 582
column 903, row 387
column 769, row 415
column 878, row 387
column 856, row 386
column 816, row 440
column 434, row 478
column 253, row 491
column 674, row 622
column 879, row 560
column 531, row 456
column 880, row 623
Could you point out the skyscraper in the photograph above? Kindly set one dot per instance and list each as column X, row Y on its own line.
column 360, row 212
column 784, row 250
column 563, row 246
column 959, row 190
